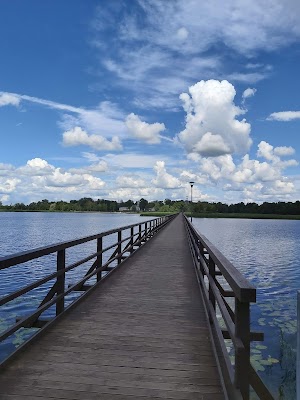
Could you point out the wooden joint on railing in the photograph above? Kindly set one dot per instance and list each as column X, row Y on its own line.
column 254, row 336
column 39, row 323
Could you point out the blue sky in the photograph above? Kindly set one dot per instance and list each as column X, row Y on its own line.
column 128, row 99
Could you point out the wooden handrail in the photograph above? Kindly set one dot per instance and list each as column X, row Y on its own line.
column 24, row 256
column 139, row 234
column 211, row 265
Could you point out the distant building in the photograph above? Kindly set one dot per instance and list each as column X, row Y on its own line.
column 137, row 206
column 123, row 209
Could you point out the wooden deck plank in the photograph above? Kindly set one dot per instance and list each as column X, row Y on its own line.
column 142, row 335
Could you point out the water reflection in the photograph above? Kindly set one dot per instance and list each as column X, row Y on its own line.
column 267, row 253
column 26, row 231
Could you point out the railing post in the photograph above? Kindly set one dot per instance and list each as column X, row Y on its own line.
column 212, row 274
column 99, row 257
column 60, row 283
column 242, row 355
column 119, row 246
column 131, row 239
column 298, row 346
column 146, row 226
column 140, row 234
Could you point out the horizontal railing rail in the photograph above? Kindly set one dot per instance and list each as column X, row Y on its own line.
column 221, row 282
column 115, row 253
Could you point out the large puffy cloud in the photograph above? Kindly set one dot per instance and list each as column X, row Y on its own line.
column 274, row 154
column 255, row 180
column 211, row 125
column 36, row 166
column 38, row 179
column 8, row 185
column 163, row 179
column 77, row 136
column 148, row 133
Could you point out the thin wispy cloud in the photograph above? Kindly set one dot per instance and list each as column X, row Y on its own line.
column 284, row 116
column 177, row 40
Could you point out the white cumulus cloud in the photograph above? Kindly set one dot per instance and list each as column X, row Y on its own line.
column 77, row 136
column 163, row 179
column 8, row 185
column 149, row 133
column 36, row 166
column 211, row 125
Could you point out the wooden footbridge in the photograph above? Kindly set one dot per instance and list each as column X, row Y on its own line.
column 152, row 326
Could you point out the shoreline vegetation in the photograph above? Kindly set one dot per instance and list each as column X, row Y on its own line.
column 157, row 208
column 226, row 215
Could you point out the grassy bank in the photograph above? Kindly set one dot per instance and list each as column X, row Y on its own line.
column 155, row 214
column 243, row 215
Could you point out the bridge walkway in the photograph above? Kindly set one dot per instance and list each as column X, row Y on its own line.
column 142, row 334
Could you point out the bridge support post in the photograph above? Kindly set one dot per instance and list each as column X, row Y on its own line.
column 212, row 274
column 119, row 246
column 131, row 240
column 140, row 234
column 99, row 257
column 242, row 355
column 61, row 264
column 298, row 346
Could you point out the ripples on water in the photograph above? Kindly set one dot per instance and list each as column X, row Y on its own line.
column 27, row 231
column 267, row 252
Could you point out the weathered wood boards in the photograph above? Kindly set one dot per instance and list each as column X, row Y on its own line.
column 142, row 335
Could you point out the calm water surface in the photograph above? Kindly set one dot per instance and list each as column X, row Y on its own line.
column 26, row 231
column 267, row 252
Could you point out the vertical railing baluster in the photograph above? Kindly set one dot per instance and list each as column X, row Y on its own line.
column 140, row 234
column 60, row 283
column 242, row 355
column 146, row 226
column 119, row 246
column 99, row 257
column 201, row 251
column 212, row 274
column 131, row 239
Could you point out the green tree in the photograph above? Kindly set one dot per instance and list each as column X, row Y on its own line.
column 143, row 204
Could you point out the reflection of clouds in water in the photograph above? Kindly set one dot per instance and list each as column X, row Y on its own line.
column 267, row 253
column 28, row 231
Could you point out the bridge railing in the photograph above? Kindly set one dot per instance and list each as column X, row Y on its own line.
column 227, row 295
column 122, row 243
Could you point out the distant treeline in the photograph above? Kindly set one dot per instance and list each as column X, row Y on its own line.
column 167, row 206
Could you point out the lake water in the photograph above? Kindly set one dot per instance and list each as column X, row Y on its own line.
column 26, row 231
column 265, row 251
